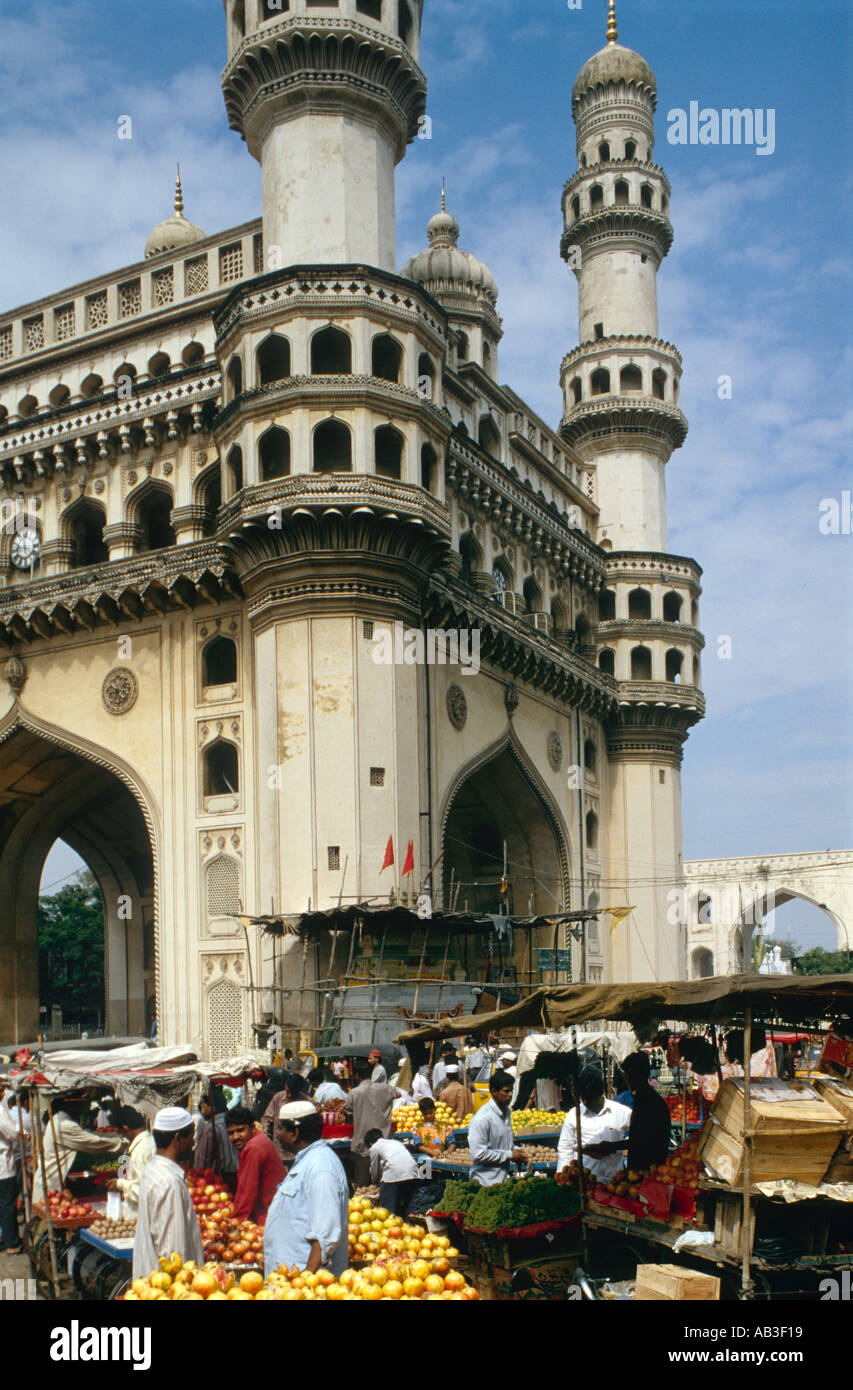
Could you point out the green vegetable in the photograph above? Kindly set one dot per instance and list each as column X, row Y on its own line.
column 520, row 1202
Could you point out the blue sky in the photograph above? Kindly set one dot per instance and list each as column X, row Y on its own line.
column 757, row 287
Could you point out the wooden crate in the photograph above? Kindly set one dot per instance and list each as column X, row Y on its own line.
column 841, row 1167
column 795, row 1105
column 838, row 1094
column 672, row 1283
column 728, row 1223
column 799, row 1157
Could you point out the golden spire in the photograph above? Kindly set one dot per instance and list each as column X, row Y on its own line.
column 179, row 195
column 612, row 31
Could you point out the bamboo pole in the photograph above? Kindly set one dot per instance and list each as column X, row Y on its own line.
column 684, row 1102
column 746, row 1290
column 23, row 1145
column 420, row 969
column 35, row 1122
column 377, row 985
column 581, row 1195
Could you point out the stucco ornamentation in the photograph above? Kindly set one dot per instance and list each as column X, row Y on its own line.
column 119, row 691
column 457, row 706
column 555, row 751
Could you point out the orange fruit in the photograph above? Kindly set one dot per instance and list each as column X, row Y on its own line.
column 251, row 1282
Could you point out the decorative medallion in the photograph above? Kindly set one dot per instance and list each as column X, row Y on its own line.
column 119, row 691
column 555, row 750
column 16, row 675
column 457, row 706
column 511, row 699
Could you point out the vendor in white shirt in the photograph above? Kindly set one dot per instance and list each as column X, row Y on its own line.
column 393, row 1167
column 140, row 1153
column 603, row 1122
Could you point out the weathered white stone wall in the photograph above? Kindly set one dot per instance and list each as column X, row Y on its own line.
column 632, row 499
column 618, row 290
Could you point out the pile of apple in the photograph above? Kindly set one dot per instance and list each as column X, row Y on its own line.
column 191, row 1283
column 64, row 1206
column 682, row 1168
column 374, row 1234
column 209, row 1194
column 676, row 1109
column 228, row 1239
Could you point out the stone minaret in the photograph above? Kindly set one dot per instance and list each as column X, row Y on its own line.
column 622, row 414
column 327, row 97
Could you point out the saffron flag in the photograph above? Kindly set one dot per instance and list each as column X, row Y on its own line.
column 618, row 914
column 409, row 865
column 389, row 854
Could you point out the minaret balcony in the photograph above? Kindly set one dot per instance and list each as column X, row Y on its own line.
column 644, row 419
column 629, row 222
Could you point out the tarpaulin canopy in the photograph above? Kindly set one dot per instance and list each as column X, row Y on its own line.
column 145, row 1077
column 617, row 1045
column 789, row 998
column 398, row 918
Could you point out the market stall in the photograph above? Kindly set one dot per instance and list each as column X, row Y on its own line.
column 762, row 1193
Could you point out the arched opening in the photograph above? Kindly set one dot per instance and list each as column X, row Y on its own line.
column 560, row 616
column 675, row 390
column 590, row 757
column 274, row 454
column 703, row 908
column 331, row 353
column 154, row 519
column 591, row 830
column 234, row 464
column 604, row 152
column 219, row 662
column 576, row 389
column 641, row 664
column 429, row 468
column 59, row 396
column 234, row 378
column 386, row 357
column 630, row 149
column 122, row 374
column 533, row 602
column 489, row 436
column 702, row 964
column 211, row 500
column 672, row 608
column 27, row 407
column 606, row 606
column 92, row 385
column 499, row 809
column 426, row 377
column 462, row 347
column 221, row 769
column 804, row 927
column 273, row 360
column 84, row 527
column 52, row 950
column 607, row 662
column 372, row 8
column 192, row 354
column 583, row 631
column 502, row 576
column 646, row 196
column 674, row 663
column 631, row 381
column 404, row 22
column 599, row 382
column 159, row 365
column 659, row 384
column 664, row 204
column 621, row 195
column 487, row 358
column 388, row 452
column 596, row 196
column 472, row 556
column 640, row 605
column 576, row 207
column 332, row 448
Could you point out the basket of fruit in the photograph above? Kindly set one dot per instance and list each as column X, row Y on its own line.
column 67, row 1213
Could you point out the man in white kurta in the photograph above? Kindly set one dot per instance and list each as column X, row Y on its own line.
column 63, row 1140
column 166, row 1222
column 142, row 1150
column 603, row 1122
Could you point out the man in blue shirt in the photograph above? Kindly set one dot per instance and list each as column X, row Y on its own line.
column 490, row 1137
column 308, row 1220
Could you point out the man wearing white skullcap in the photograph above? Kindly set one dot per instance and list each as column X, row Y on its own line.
column 308, row 1220
column 166, row 1223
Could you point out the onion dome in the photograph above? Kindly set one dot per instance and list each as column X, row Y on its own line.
column 444, row 269
column 614, row 63
column 176, row 232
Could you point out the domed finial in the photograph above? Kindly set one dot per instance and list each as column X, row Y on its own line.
column 179, row 195
column 612, row 31
column 443, row 197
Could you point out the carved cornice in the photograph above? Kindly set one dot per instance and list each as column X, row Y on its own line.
column 641, row 630
column 643, row 564
column 333, row 290
column 603, row 347
column 300, row 61
column 652, row 717
column 624, row 419
column 619, row 166
column 321, row 392
column 510, row 508
column 628, row 221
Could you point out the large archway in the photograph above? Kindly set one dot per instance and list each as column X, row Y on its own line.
column 497, row 811
column 52, row 790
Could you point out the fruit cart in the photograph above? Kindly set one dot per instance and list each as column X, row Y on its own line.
column 774, row 1238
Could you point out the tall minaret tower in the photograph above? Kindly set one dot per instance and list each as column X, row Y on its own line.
column 326, row 96
column 622, row 415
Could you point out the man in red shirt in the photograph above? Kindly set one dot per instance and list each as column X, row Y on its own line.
column 260, row 1171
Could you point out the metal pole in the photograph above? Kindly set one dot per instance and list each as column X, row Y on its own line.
column 746, row 1291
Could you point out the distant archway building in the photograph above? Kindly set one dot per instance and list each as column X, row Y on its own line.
column 229, row 468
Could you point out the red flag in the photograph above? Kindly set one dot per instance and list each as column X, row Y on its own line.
column 409, row 866
column 389, row 854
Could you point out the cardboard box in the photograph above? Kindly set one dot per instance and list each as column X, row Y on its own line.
column 672, row 1283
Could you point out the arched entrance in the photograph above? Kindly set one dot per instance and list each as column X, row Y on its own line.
column 52, row 790
column 498, row 803
column 701, row 964
column 775, row 915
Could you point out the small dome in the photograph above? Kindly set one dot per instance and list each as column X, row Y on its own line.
column 443, row 268
column 176, row 232
column 613, row 63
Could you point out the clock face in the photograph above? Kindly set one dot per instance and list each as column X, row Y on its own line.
column 25, row 548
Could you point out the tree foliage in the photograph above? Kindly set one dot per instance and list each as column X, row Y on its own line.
column 71, row 948
column 819, row 962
